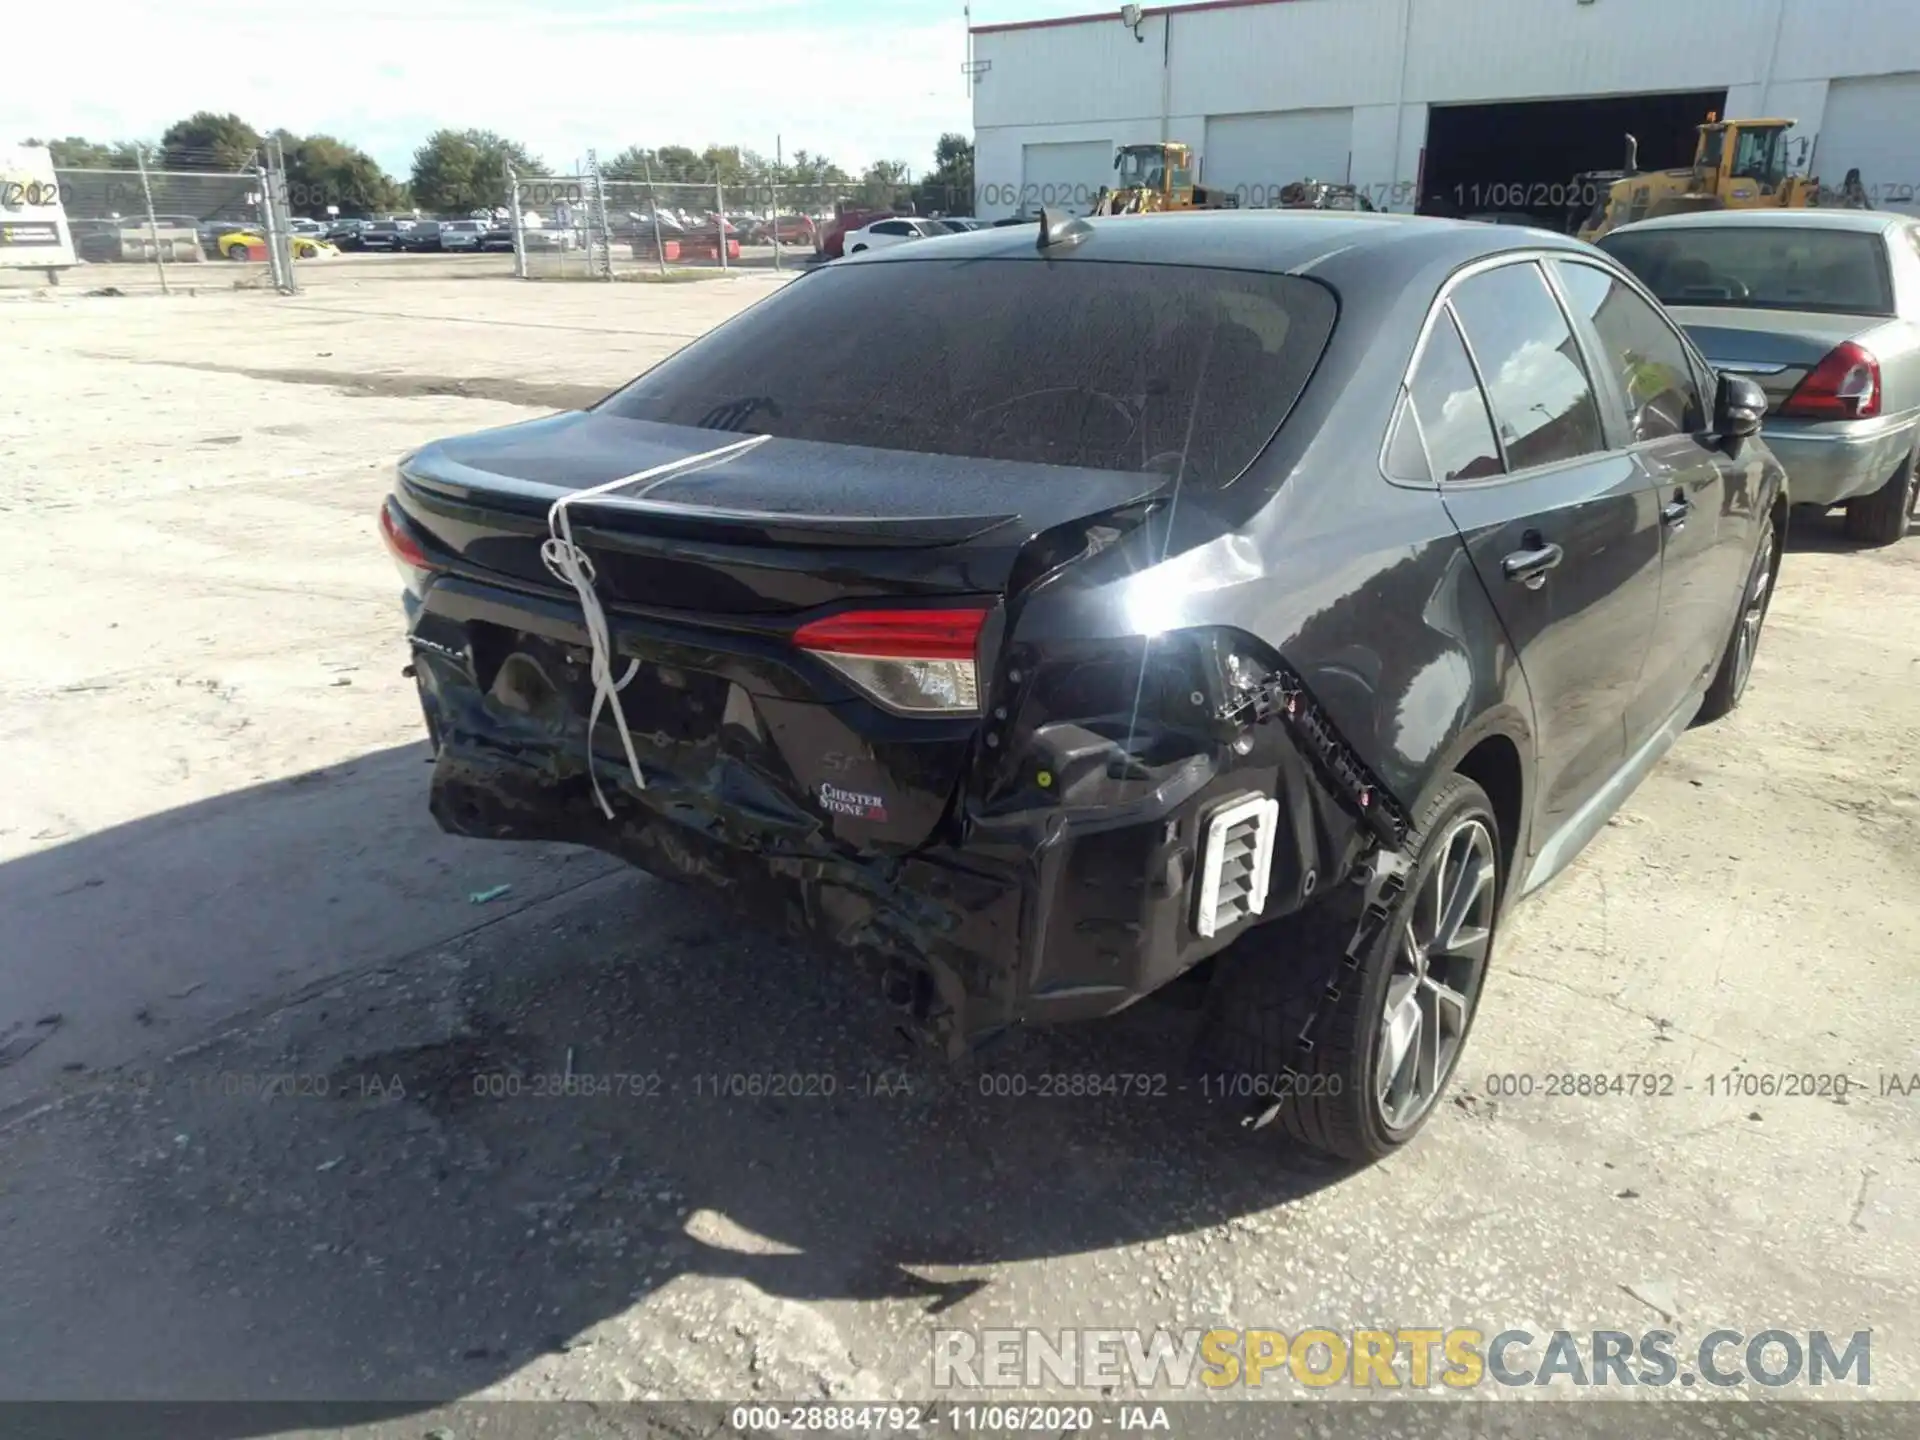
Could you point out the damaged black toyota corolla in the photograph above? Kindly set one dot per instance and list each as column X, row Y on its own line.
column 1044, row 611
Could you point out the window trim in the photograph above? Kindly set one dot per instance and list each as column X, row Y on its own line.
column 1589, row 337
column 1443, row 301
column 1403, row 406
column 1442, row 298
column 1405, row 414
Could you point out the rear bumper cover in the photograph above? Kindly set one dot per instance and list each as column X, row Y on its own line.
column 1833, row 462
column 1007, row 916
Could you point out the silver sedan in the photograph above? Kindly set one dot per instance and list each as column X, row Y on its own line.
column 1822, row 308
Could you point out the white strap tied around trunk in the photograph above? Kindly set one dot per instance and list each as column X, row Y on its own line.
column 568, row 562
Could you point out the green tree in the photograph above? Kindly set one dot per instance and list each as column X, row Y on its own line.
column 206, row 141
column 670, row 163
column 884, row 182
column 461, row 170
column 948, row 187
column 323, row 171
column 74, row 153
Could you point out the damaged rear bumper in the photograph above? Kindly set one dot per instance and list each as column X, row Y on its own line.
column 1023, row 907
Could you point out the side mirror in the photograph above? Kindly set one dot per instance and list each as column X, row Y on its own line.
column 1739, row 405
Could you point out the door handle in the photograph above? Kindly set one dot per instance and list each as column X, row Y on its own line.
column 1674, row 514
column 1530, row 567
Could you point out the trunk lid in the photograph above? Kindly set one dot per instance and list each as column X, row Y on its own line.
column 738, row 730
column 1774, row 348
column 790, row 525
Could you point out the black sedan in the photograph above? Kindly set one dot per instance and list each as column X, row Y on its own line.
column 380, row 235
column 1045, row 614
column 422, row 235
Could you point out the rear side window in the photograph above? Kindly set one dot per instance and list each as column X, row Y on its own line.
column 1443, row 432
column 1184, row 370
column 1536, row 384
column 1649, row 362
column 1760, row 267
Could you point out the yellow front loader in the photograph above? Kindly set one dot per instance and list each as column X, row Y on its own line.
column 1737, row 165
column 1155, row 180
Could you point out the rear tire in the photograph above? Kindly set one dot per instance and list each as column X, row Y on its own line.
column 1882, row 518
column 1388, row 1044
column 236, row 252
column 1736, row 661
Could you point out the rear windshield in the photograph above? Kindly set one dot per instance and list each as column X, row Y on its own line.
column 1184, row 370
column 1760, row 267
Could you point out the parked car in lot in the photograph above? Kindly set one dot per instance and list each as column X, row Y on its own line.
column 1046, row 613
column 789, row 229
column 96, row 240
column 422, row 235
column 895, row 230
column 1821, row 308
column 243, row 245
column 380, row 235
column 847, row 217
column 498, row 236
column 464, row 234
column 347, row 231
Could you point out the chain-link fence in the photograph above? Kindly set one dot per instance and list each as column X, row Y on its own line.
column 593, row 227
column 579, row 227
column 589, row 225
column 175, row 217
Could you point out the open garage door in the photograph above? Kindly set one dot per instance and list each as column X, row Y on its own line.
column 1253, row 156
column 1519, row 159
column 1872, row 124
column 1066, row 175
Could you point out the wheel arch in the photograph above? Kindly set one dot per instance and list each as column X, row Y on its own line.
column 1495, row 751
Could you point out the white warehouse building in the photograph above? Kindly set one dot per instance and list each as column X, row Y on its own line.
column 1450, row 106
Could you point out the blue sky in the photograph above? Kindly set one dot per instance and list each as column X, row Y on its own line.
column 858, row 80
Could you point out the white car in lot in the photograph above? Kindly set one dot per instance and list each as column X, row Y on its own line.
column 894, row 230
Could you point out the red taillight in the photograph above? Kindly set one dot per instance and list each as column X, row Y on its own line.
column 913, row 662
column 414, row 565
column 404, row 547
column 895, row 634
column 1843, row 386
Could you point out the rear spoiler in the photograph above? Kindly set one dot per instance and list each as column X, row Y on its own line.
column 708, row 522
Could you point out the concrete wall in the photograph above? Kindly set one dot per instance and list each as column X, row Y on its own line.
column 1388, row 60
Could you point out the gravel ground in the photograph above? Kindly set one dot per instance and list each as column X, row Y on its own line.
column 270, row 1113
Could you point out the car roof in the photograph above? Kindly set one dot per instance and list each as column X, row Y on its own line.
column 1812, row 218
column 1274, row 241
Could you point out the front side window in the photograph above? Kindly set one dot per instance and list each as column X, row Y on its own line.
column 1536, row 382
column 1761, row 155
column 1648, row 359
column 1184, row 370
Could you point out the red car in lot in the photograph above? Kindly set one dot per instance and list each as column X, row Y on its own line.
column 787, row 230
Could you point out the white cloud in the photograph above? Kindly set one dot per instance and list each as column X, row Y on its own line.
column 855, row 85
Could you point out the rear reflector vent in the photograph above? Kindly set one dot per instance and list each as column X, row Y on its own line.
column 1236, row 856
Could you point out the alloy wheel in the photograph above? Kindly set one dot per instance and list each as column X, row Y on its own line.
column 1438, row 966
column 1753, row 613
